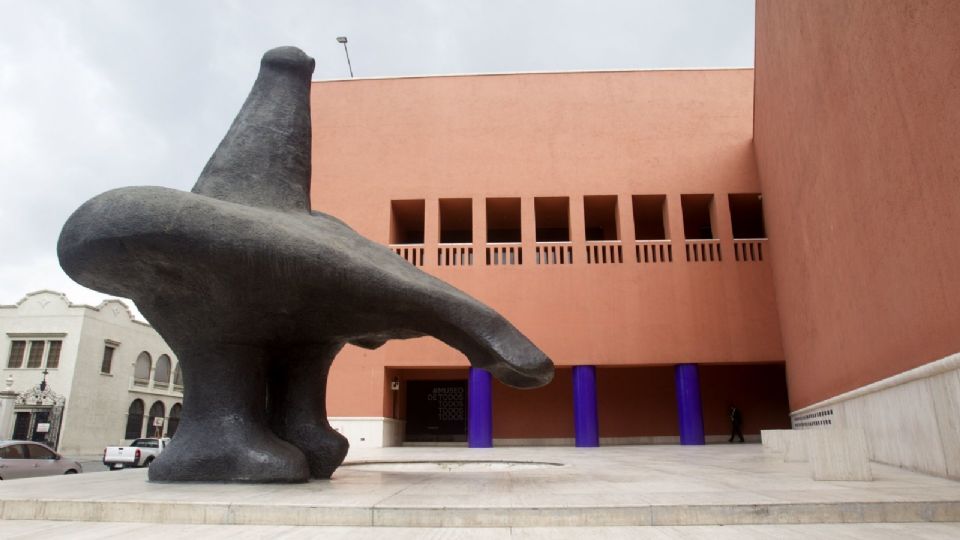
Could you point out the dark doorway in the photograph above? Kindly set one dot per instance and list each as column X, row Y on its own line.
column 174, row 421
column 155, row 423
column 436, row 411
column 406, row 221
column 134, row 420
column 649, row 217
column 21, row 426
column 552, row 216
column 503, row 220
column 601, row 219
column 746, row 215
column 697, row 216
column 456, row 221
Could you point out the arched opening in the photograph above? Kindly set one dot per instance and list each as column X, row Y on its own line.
column 134, row 420
column 155, row 424
column 174, row 421
column 161, row 375
column 177, row 377
column 141, row 370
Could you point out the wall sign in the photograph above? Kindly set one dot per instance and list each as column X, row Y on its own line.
column 436, row 410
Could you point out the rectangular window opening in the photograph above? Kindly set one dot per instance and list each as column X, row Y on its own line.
column 17, row 348
column 552, row 216
column 406, row 221
column 601, row 220
column 503, row 219
column 698, row 223
column 746, row 215
column 107, row 363
column 456, row 221
column 53, row 354
column 35, row 357
column 650, row 217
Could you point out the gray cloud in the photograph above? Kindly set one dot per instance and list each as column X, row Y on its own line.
column 101, row 94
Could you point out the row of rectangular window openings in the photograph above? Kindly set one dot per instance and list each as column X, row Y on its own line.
column 52, row 347
column 602, row 219
column 38, row 350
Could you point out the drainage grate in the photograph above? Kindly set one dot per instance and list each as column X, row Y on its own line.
column 823, row 417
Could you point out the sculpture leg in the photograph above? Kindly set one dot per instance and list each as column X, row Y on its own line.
column 298, row 410
column 224, row 434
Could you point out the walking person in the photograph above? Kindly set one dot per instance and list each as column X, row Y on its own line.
column 736, row 420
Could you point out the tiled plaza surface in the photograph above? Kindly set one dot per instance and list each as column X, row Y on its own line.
column 627, row 487
column 32, row 530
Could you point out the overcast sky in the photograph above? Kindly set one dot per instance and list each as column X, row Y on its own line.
column 96, row 95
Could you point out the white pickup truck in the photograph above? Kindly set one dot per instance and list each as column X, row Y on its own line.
column 139, row 453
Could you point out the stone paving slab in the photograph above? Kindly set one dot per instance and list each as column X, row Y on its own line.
column 609, row 486
column 31, row 530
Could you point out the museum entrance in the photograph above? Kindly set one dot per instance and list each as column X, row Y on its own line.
column 432, row 403
column 436, row 411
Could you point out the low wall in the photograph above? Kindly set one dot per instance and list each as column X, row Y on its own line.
column 369, row 431
column 911, row 420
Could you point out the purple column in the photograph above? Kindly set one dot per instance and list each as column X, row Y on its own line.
column 585, row 406
column 479, row 409
column 688, row 403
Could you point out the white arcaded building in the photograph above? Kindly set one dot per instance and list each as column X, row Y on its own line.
column 81, row 378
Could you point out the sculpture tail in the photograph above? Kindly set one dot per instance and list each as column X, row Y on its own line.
column 264, row 159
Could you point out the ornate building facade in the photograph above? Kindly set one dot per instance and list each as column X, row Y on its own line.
column 80, row 378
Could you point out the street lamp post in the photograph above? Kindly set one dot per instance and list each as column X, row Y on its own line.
column 343, row 39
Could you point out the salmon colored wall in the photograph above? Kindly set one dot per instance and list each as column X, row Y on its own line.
column 757, row 390
column 356, row 388
column 641, row 401
column 543, row 412
column 570, row 135
column 633, row 402
column 857, row 115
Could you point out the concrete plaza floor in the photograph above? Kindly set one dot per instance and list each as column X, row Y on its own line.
column 32, row 530
column 653, row 491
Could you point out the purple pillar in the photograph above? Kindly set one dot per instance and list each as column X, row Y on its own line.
column 479, row 409
column 688, row 403
column 585, row 406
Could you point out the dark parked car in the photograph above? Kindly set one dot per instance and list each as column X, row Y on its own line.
column 22, row 459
